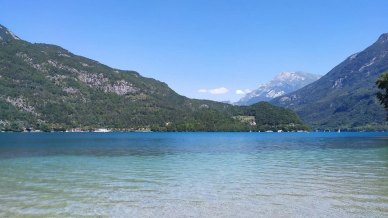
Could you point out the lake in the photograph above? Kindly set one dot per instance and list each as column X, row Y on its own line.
column 194, row 174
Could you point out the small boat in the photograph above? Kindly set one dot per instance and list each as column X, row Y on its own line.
column 102, row 130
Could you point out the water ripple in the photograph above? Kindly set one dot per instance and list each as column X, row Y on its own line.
column 194, row 175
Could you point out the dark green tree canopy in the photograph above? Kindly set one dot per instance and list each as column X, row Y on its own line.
column 382, row 83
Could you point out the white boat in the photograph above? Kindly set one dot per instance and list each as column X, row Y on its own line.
column 102, row 130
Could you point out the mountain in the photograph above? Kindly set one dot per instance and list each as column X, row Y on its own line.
column 46, row 87
column 344, row 97
column 282, row 84
column 6, row 35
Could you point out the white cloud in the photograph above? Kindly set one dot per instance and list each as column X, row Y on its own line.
column 216, row 91
column 242, row 92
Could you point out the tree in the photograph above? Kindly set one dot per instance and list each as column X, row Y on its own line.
column 382, row 83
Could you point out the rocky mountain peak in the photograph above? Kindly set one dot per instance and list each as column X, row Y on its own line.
column 288, row 76
column 345, row 96
column 6, row 35
column 283, row 83
column 383, row 38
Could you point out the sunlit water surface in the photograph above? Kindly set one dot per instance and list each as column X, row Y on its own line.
column 194, row 174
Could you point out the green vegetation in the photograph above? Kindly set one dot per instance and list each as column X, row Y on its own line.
column 345, row 97
column 382, row 83
column 45, row 87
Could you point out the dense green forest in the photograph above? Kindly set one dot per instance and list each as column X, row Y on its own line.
column 382, row 95
column 45, row 87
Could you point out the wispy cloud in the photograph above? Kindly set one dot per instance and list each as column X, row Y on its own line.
column 242, row 92
column 216, row 91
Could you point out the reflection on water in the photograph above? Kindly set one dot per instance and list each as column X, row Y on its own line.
column 194, row 174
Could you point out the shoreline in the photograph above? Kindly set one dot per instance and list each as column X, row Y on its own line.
column 149, row 131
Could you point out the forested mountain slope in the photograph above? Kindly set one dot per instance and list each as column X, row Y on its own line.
column 46, row 87
column 346, row 96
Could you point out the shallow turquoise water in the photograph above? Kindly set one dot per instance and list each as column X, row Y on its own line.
column 194, row 174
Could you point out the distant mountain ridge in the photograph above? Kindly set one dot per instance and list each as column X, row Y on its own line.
column 46, row 87
column 282, row 84
column 345, row 96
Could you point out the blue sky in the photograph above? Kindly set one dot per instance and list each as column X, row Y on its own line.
column 204, row 49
